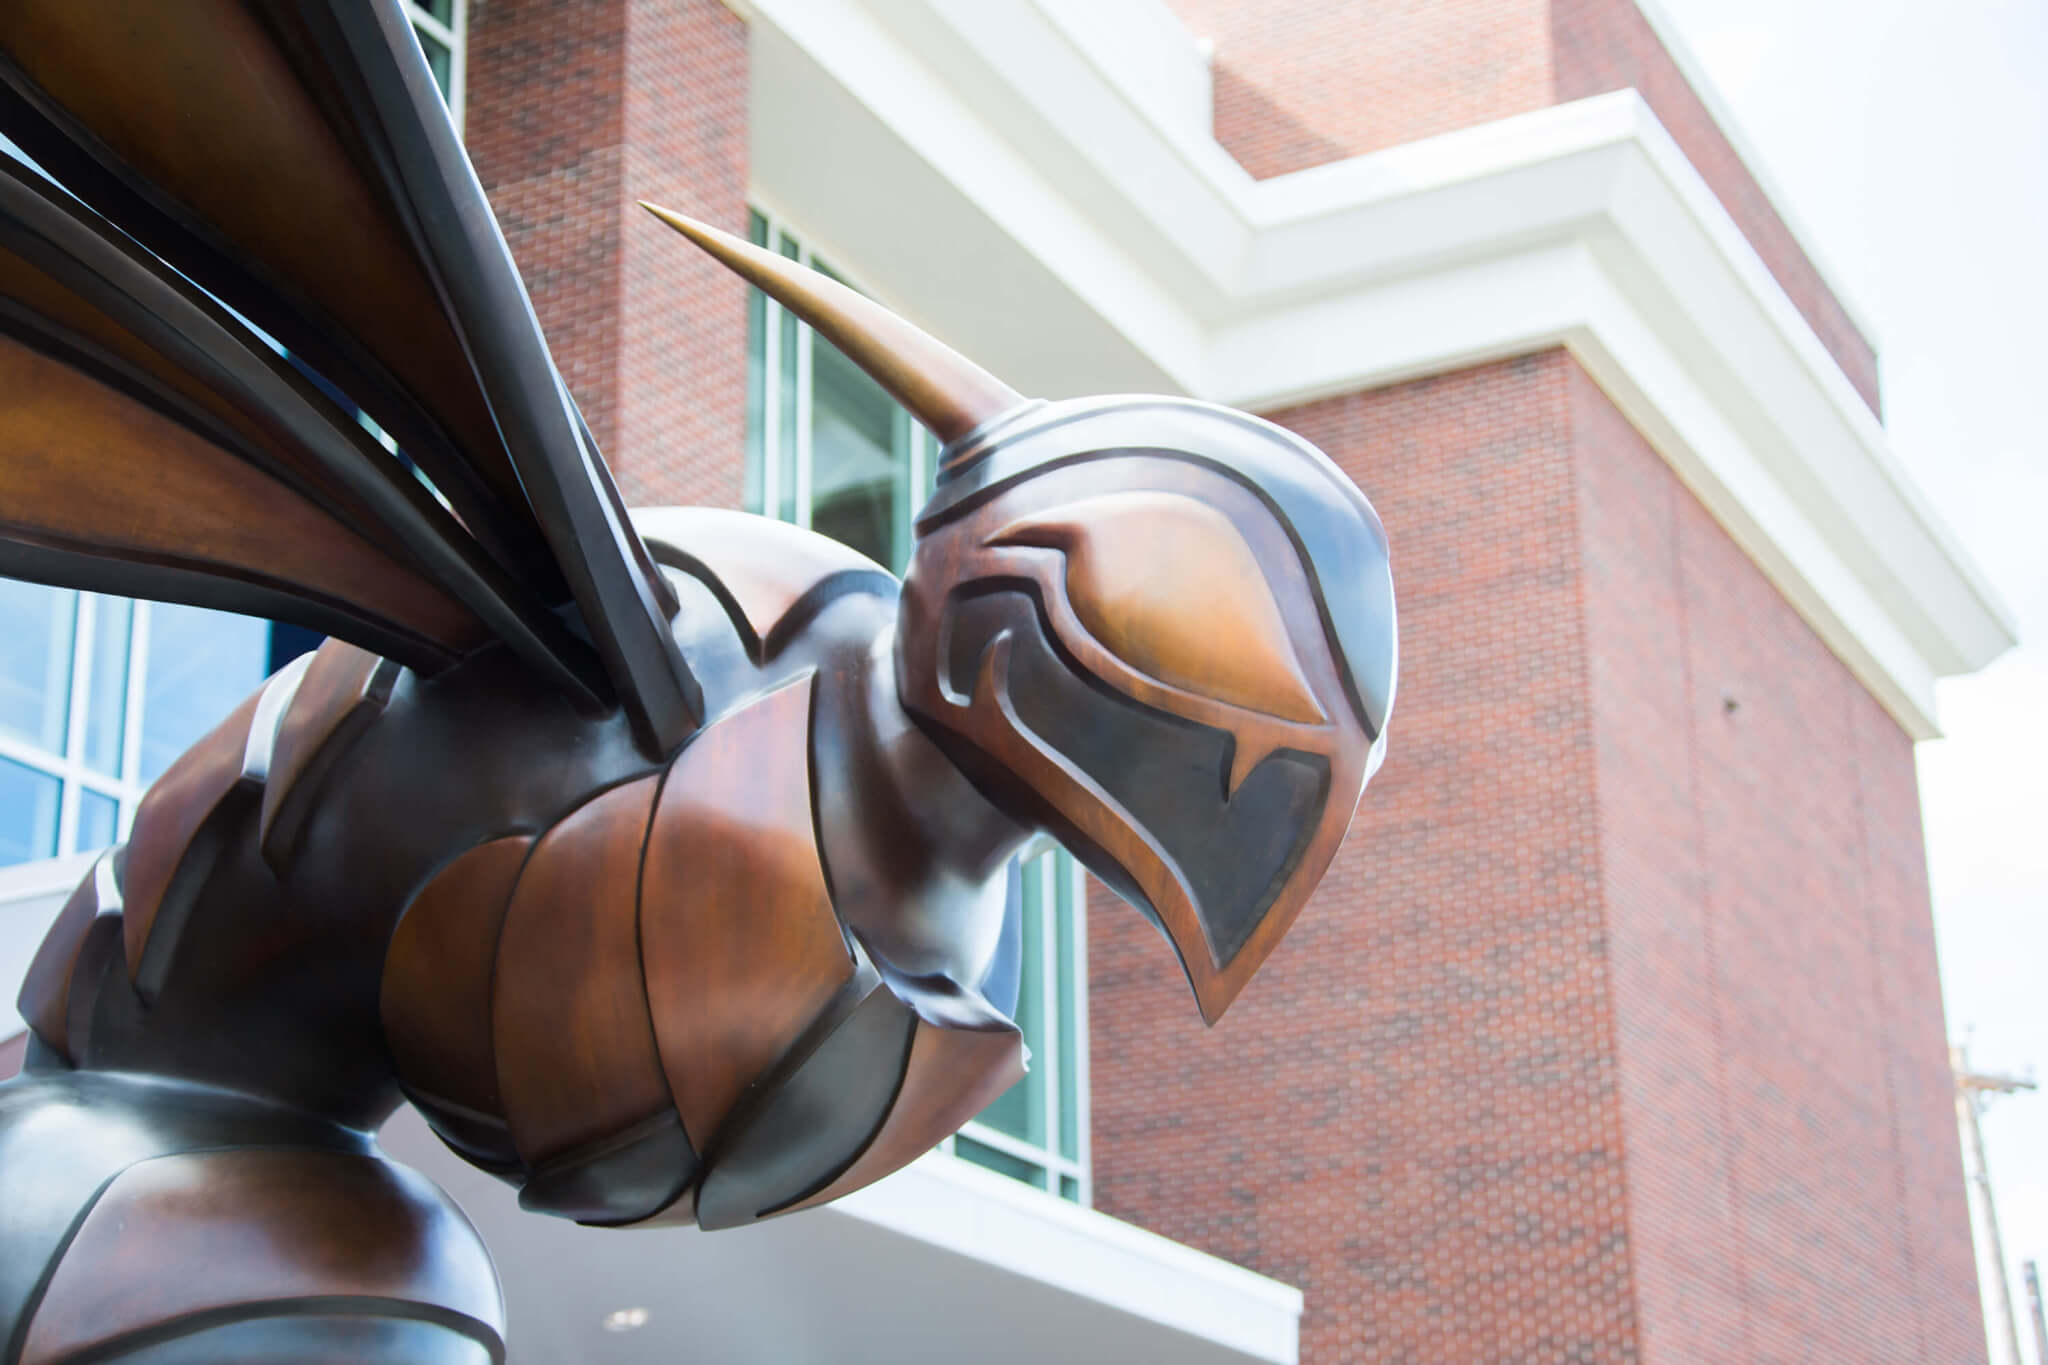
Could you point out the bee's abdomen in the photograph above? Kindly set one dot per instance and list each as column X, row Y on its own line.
column 651, row 1009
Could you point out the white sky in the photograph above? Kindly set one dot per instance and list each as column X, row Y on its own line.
column 1912, row 138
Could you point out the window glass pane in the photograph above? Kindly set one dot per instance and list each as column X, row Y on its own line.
column 444, row 10
column 106, row 704
column 438, row 59
column 201, row 665
column 99, row 816
column 1020, row 1110
column 757, row 377
column 1070, row 1189
column 793, row 336
column 28, row 813
column 35, row 661
column 856, row 461
column 1066, row 920
column 983, row 1155
column 288, row 642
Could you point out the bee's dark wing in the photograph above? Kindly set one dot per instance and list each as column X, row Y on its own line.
column 292, row 160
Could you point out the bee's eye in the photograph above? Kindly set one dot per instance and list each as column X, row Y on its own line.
column 1169, row 585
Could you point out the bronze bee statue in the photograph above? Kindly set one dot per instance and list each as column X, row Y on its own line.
column 659, row 861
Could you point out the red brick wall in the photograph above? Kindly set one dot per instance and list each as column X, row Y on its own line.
column 576, row 109
column 1602, row 45
column 1303, row 82
column 682, row 317
column 1793, row 1174
column 1614, row 1032
column 1412, row 1113
column 543, row 124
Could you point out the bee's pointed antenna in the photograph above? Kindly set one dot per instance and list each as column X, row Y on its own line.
column 943, row 389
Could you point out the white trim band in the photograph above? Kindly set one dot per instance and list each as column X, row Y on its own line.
column 985, row 169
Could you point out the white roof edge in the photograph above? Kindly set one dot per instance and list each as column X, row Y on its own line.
column 1825, row 373
column 1694, row 70
column 1157, row 263
column 992, row 1219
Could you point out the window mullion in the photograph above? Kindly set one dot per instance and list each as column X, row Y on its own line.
column 806, row 340
column 84, row 621
column 1049, row 994
column 458, row 64
column 771, row 403
column 131, row 719
column 1077, row 965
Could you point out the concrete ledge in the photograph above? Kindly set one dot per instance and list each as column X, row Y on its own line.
column 940, row 1263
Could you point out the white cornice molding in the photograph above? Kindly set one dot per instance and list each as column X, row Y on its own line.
column 1010, row 1229
column 1689, row 65
column 986, row 170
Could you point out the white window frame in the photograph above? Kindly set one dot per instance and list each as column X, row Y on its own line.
column 923, row 446
column 69, row 767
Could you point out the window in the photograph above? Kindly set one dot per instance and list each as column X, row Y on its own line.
column 827, row 448
column 97, row 696
column 442, row 26
column 1037, row 1130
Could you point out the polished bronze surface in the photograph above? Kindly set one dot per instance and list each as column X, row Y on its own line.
column 740, row 945
column 45, row 999
column 336, row 700
column 663, row 866
column 436, row 993
column 272, row 1232
column 1207, row 771
column 172, row 835
column 569, row 1020
column 769, row 576
column 1149, row 574
column 952, row 1075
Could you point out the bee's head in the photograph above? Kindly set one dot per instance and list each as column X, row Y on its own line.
column 1161, row 630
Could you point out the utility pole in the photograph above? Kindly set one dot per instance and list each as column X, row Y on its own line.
column 1973, row 1091
column 2034, row 1311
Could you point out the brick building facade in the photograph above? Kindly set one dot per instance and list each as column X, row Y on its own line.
column 1614, row 1032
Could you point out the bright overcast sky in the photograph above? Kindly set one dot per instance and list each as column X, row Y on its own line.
column 1912, row 140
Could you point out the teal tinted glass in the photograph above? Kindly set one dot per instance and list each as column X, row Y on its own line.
column 36, row 625
column 1067, row 925
column 793, row 336
column 28, row 813
column 439, row 60
column 106, row 701
column 857, row 461
column 981, row 1154
column 757, row 377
